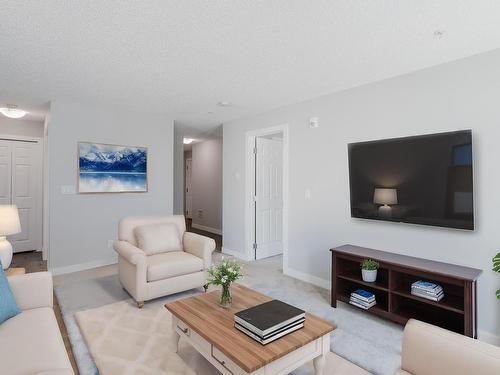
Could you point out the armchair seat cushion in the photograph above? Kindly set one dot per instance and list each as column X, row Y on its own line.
column 171, row 264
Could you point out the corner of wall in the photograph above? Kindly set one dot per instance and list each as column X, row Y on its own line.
column 488, row 337
column 322, row 283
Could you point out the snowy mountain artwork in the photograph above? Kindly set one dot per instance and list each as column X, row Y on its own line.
column 107, row 168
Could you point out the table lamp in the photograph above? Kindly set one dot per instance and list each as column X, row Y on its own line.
column 9, row 224
column 385, row 197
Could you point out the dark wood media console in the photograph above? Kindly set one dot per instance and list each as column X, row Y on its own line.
column 456, row 311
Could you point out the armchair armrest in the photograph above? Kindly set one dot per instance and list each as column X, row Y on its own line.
column 32, row 290
column 132, row 254
column 199, row 246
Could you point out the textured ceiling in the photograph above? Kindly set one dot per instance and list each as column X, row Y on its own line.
column 181, row 57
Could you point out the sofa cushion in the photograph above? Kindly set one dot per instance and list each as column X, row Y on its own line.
column 34, row 344
column 158, row 238
column 171, row 264
column 8, row 305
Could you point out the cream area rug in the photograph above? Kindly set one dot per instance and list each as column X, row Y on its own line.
column 123, row 339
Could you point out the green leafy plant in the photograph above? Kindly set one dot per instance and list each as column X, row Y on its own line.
column 496, row 268
column 224, row 274
column 369, row 264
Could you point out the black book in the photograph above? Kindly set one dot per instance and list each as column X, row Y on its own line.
column 270, row 316
column 276, row 335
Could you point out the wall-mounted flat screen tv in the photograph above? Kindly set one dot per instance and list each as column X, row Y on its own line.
column 424, row 180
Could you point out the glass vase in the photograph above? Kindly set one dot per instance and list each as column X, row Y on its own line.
column 225, row 296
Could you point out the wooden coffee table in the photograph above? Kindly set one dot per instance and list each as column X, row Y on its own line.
column 209, row 328
column 14, row 271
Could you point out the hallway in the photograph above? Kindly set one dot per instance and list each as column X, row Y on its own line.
column 216, row 237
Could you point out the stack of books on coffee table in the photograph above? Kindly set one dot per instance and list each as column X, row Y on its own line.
column 269, row 321
column 427, row 290
column 362, row 299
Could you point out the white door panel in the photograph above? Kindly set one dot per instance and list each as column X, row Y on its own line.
column 269, row 198
column 27, row 194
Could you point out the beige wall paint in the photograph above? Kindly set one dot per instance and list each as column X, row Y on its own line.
column 207, row 183
column 21, row 127
column 81, row 225
column 460, row 95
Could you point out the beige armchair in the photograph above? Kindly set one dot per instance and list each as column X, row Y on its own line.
column 157, row 257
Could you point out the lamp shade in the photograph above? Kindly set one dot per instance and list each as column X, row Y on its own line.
column 9, row 220
column 385, row 196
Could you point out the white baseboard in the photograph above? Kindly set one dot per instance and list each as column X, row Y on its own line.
column 82, row 266
column 236, row 254
column 488, row 337
column 322, row 283
column 207, row 229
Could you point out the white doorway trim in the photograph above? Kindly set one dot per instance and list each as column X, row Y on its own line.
column 42, row 206
column 249, row 190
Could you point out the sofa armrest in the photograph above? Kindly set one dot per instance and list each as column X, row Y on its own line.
column 199, row 246
column 132, row 254
column 428, row 350
column 32, row 290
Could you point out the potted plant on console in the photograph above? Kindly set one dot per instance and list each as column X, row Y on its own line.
column 369, row 270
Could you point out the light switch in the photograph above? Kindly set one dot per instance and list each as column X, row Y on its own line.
column 68, row 189
column 308, row 193
column 237, row 176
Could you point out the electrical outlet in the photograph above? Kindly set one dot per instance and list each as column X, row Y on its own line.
column 110, row 244
column 200, row 213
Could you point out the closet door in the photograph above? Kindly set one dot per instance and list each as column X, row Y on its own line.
column 27, row 194
column 5, row 172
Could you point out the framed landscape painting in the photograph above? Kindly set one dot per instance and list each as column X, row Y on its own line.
column 104, row 168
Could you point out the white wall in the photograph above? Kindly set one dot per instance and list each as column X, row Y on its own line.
column 206, row 183
column 460, row 95
column 21, row 127
column 82, row 224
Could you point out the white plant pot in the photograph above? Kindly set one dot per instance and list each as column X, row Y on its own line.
column 369, row 276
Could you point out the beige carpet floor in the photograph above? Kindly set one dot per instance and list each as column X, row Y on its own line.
column 125, row 340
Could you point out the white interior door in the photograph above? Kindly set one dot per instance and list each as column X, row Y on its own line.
column 189, row 195
column 268, row 197
column 5, row 172
column 26, row 194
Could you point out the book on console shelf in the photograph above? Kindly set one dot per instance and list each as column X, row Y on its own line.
column 428, row 290
column 269, row 321
column 437, row 297
column 426, row 286
column 362, row 299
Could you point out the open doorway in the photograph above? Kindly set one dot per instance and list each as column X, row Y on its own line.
column 203, row 187
column 266, row 231
column 22, row 183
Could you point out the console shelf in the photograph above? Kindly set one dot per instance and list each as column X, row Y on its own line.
column 456, row 311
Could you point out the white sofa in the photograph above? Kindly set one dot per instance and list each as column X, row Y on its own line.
column 147, row 277
column 31, row 342
column 430, row 350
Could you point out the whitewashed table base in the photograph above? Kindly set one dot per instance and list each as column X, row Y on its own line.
column 314, row 351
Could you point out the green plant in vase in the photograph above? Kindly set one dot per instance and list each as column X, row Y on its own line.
column 224, row 274
column 496, row 268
